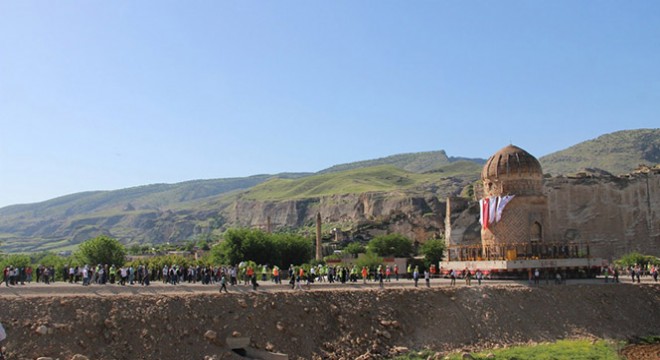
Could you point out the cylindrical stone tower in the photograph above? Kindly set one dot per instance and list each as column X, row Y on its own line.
column 514, row 171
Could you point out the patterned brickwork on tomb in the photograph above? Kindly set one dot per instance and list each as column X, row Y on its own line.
column 513, row 228
column 522, row 187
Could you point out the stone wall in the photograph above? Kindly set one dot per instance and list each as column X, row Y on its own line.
column 613, row 215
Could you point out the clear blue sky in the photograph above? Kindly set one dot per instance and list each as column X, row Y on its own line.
column 103, row 95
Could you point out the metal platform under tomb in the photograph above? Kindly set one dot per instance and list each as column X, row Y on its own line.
column 513, row 266
column 516, row 260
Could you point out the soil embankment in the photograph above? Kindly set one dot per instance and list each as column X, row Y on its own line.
column 337, row 324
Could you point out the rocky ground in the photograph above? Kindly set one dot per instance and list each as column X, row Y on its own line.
column 336, row 324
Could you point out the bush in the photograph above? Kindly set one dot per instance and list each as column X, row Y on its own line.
column 280, row 249
column 635, row 258
column 391, row 245
column 102, row 250
column 370, row 260
column 355, row 248
column 433, row 251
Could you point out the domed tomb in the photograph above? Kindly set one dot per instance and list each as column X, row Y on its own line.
column 512, row 170
column 518, row 230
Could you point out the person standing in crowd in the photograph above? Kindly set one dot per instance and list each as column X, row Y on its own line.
column 253, row 280
column 299, row 278
column 166, row 274
column 233, row 274
column 46, row 275
column 616, row 275
column 223, row 283
column 415, row 275
column 249, row 272
column 113, row 273
column 123, row 274
column 427, row 278
column 452, row 276
column 145, row 276
column 264, row 273
column 479, row 275
column 312, row 276
column 537, row 277
column 28, row 274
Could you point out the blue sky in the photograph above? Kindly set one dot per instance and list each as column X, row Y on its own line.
column 103, row 95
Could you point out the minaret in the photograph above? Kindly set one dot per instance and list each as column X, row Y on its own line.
column 319, row 254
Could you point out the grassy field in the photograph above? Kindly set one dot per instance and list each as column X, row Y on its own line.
column 561, row 350
column 384, row 178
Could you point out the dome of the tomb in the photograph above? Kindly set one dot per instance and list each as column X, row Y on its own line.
column 512, row 162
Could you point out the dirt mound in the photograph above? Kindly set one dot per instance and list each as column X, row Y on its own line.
column 642, row 352
column 323, row 324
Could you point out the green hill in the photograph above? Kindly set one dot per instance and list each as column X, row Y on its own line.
column 384, row 178
column 141, row 197
column 420, row 162
column 618, row 153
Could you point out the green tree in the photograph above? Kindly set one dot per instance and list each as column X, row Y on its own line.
column 433, row 251
column 355, row 248
column 635, row 258
column 15, row 260
column 243, row 244
column 258, row 247
column 102, row 250
column 290, row 249
column 279, row 249
column 134, row 249
column 395, row 245
column 230, row 250
column 370, row 260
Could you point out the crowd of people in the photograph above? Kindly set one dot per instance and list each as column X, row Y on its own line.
column 22, row 275
column 249, row 274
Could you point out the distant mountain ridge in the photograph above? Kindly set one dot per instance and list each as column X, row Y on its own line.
column 618, row 153
column 175, row 212
column 419, row 162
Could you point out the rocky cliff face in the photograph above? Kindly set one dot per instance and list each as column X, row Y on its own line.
column 419, row 218
column 615, row 215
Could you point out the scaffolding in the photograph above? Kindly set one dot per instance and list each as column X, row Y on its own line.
column 517, row 251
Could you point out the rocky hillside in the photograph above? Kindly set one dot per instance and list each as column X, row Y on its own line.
column 618, row 153
column 155, row 218
column 404, row 193
column 339, row 324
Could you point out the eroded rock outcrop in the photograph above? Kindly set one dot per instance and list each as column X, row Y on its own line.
column 615, row 215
